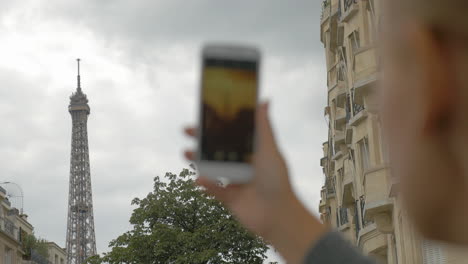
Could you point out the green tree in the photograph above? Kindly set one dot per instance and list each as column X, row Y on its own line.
column 179, row 223
column 31, row 243
column 94, row 260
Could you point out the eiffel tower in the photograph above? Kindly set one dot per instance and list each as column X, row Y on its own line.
column 81, row 239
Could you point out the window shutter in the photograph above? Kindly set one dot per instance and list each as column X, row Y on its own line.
column 432, row 253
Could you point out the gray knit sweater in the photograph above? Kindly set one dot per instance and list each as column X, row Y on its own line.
column 333, row 249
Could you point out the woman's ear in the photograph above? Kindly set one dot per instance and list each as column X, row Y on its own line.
column 435, row 89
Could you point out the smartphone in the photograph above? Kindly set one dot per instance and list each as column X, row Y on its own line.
column 228, row 102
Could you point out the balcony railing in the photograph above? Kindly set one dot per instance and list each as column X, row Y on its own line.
column 348, row 4
column 2, row 190
column 343, row 213
column 330, row 185
column 349, row 8
column 348, row 108
column 362, row 202
column 9, row 227
column 7, row 202
column 357, row 108
column 357, row 224
column 323, row 195
column 326, row 9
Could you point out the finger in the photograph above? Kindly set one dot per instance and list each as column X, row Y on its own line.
column 266, row 136
column 212, row 188
column 190, row 155
column 190, row 131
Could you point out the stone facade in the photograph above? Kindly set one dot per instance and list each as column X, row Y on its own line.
column 360, row 195
column 13, row 228
column 57, row 255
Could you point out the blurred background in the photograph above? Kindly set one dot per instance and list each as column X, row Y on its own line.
column 140, row 70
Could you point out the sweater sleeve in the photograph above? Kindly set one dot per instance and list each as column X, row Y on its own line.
column 333, row 249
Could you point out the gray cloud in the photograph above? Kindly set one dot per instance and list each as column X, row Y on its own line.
column 283, row 28
column 140, row 72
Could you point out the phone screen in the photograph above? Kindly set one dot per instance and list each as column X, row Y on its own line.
column 229, row 99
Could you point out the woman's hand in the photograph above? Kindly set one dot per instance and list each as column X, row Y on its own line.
column 267, row 205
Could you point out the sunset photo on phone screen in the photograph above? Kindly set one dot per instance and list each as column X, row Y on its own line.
column 229, row 97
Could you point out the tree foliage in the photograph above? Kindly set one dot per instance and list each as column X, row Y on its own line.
column 30, row 243
column 178, row 223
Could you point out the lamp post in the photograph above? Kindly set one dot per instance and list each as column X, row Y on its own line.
column 21, row 191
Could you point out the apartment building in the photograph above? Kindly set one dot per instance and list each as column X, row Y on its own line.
column 360, row 195
column 13, row 228
column 57, row 255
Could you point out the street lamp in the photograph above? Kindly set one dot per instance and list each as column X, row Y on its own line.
column 21, row 191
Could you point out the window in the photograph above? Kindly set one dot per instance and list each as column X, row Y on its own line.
column 432, row 253
column 354, row 41
column 364, row 152
column 341, row 73
column 355, row 44
column 343, row 55
column 341, row 174
column 353, row 157
column 371, row 7
column 56, row 259
column 371, row 19
column 8, row 256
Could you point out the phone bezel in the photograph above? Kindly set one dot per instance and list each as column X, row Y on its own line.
column 225, row 171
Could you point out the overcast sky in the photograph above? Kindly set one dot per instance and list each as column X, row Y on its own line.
column 140, row 70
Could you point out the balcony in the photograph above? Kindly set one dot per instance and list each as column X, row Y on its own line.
column 371, row 241
column 325, row 147
column 7, row 202
column 326, row 111
column 350, row 8
column 326, row 215
column 338, row 155
column 341, row 97
column 326, row 10
column 365, row 72
column 336, row 78
column 323, row 198
column 339, row 140
column 2, row 192
column 358, row 118
column 348, row 187
column 9, row 228
column 376, row 188
column 394, row 186
column 359, row 114
column 323, row 161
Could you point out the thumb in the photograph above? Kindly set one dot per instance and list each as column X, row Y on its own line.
column 265, row 135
